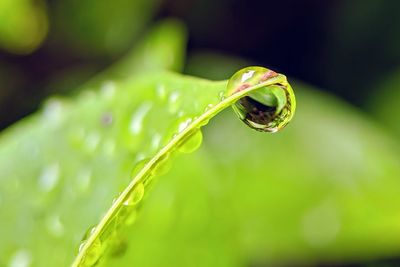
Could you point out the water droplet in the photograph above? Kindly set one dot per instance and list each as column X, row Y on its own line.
column 21, row 258
column 161, row 92
column 55, row 226
column 92, row 141
column 83, row 179
column 139, row 166
column 174, row 102
column 136, row 195
column 191, row 142
column 107, row 89
column 92, row 254
column 77, row 137
column 53, row 111
column 208, row 107
column 49, row 177
column 136, row 123
column 162, row 166
column 156, row 141
column 184, row 124
column 221, row 95
column 266, row 109
column 109, row 147
column 131, row 218
column 119, row 247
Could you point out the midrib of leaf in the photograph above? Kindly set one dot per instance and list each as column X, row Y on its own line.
column 169, row 147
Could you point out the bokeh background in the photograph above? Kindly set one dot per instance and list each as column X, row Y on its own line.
column 350, row 49
column 345, row 47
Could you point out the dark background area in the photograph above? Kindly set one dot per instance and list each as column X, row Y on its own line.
column 344, row 47
column 347, row 48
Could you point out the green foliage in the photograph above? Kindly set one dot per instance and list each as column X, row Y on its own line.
column 325, row 189
column 384, row 102
column 99, row 27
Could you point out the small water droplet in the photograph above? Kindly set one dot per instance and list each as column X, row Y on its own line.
column 92, row 254
column 49, row 177
column 21, row 258
column 174, row 102
column 119, row 247
column 136, row 123
column 191, row 142
column 266, row 109
column 77, row 137
column 156, row 141
column 162, row 166
column 161, row 92
column 55, row 226
column 83, row 179
column 136, row 195
column 208, row 107
column 184, row 124
column 221, row 95
column 53, row 110
column 139, row 166
column 92, row 141
column 131, row 218
column 109, row 147
column 107, row 89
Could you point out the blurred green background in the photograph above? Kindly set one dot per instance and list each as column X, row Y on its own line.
column 337, row 178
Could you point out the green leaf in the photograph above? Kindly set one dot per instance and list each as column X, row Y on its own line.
column 186, row 137
column 326, row 189
column 78, row 154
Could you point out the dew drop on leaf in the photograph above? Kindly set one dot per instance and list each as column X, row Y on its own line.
column 107, row 89
column 92, row 254
column 266, row 109
column 191, row 142
column 136, row 124
column 21, row 258
column 49, row 177
column 136, row 195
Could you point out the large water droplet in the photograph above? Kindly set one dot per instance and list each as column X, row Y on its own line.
column 266, row 109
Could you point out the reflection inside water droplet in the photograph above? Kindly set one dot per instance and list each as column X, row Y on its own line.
column 266, row 109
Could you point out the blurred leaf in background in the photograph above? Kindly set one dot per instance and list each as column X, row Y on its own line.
column 102, row 27
column 23, row 25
